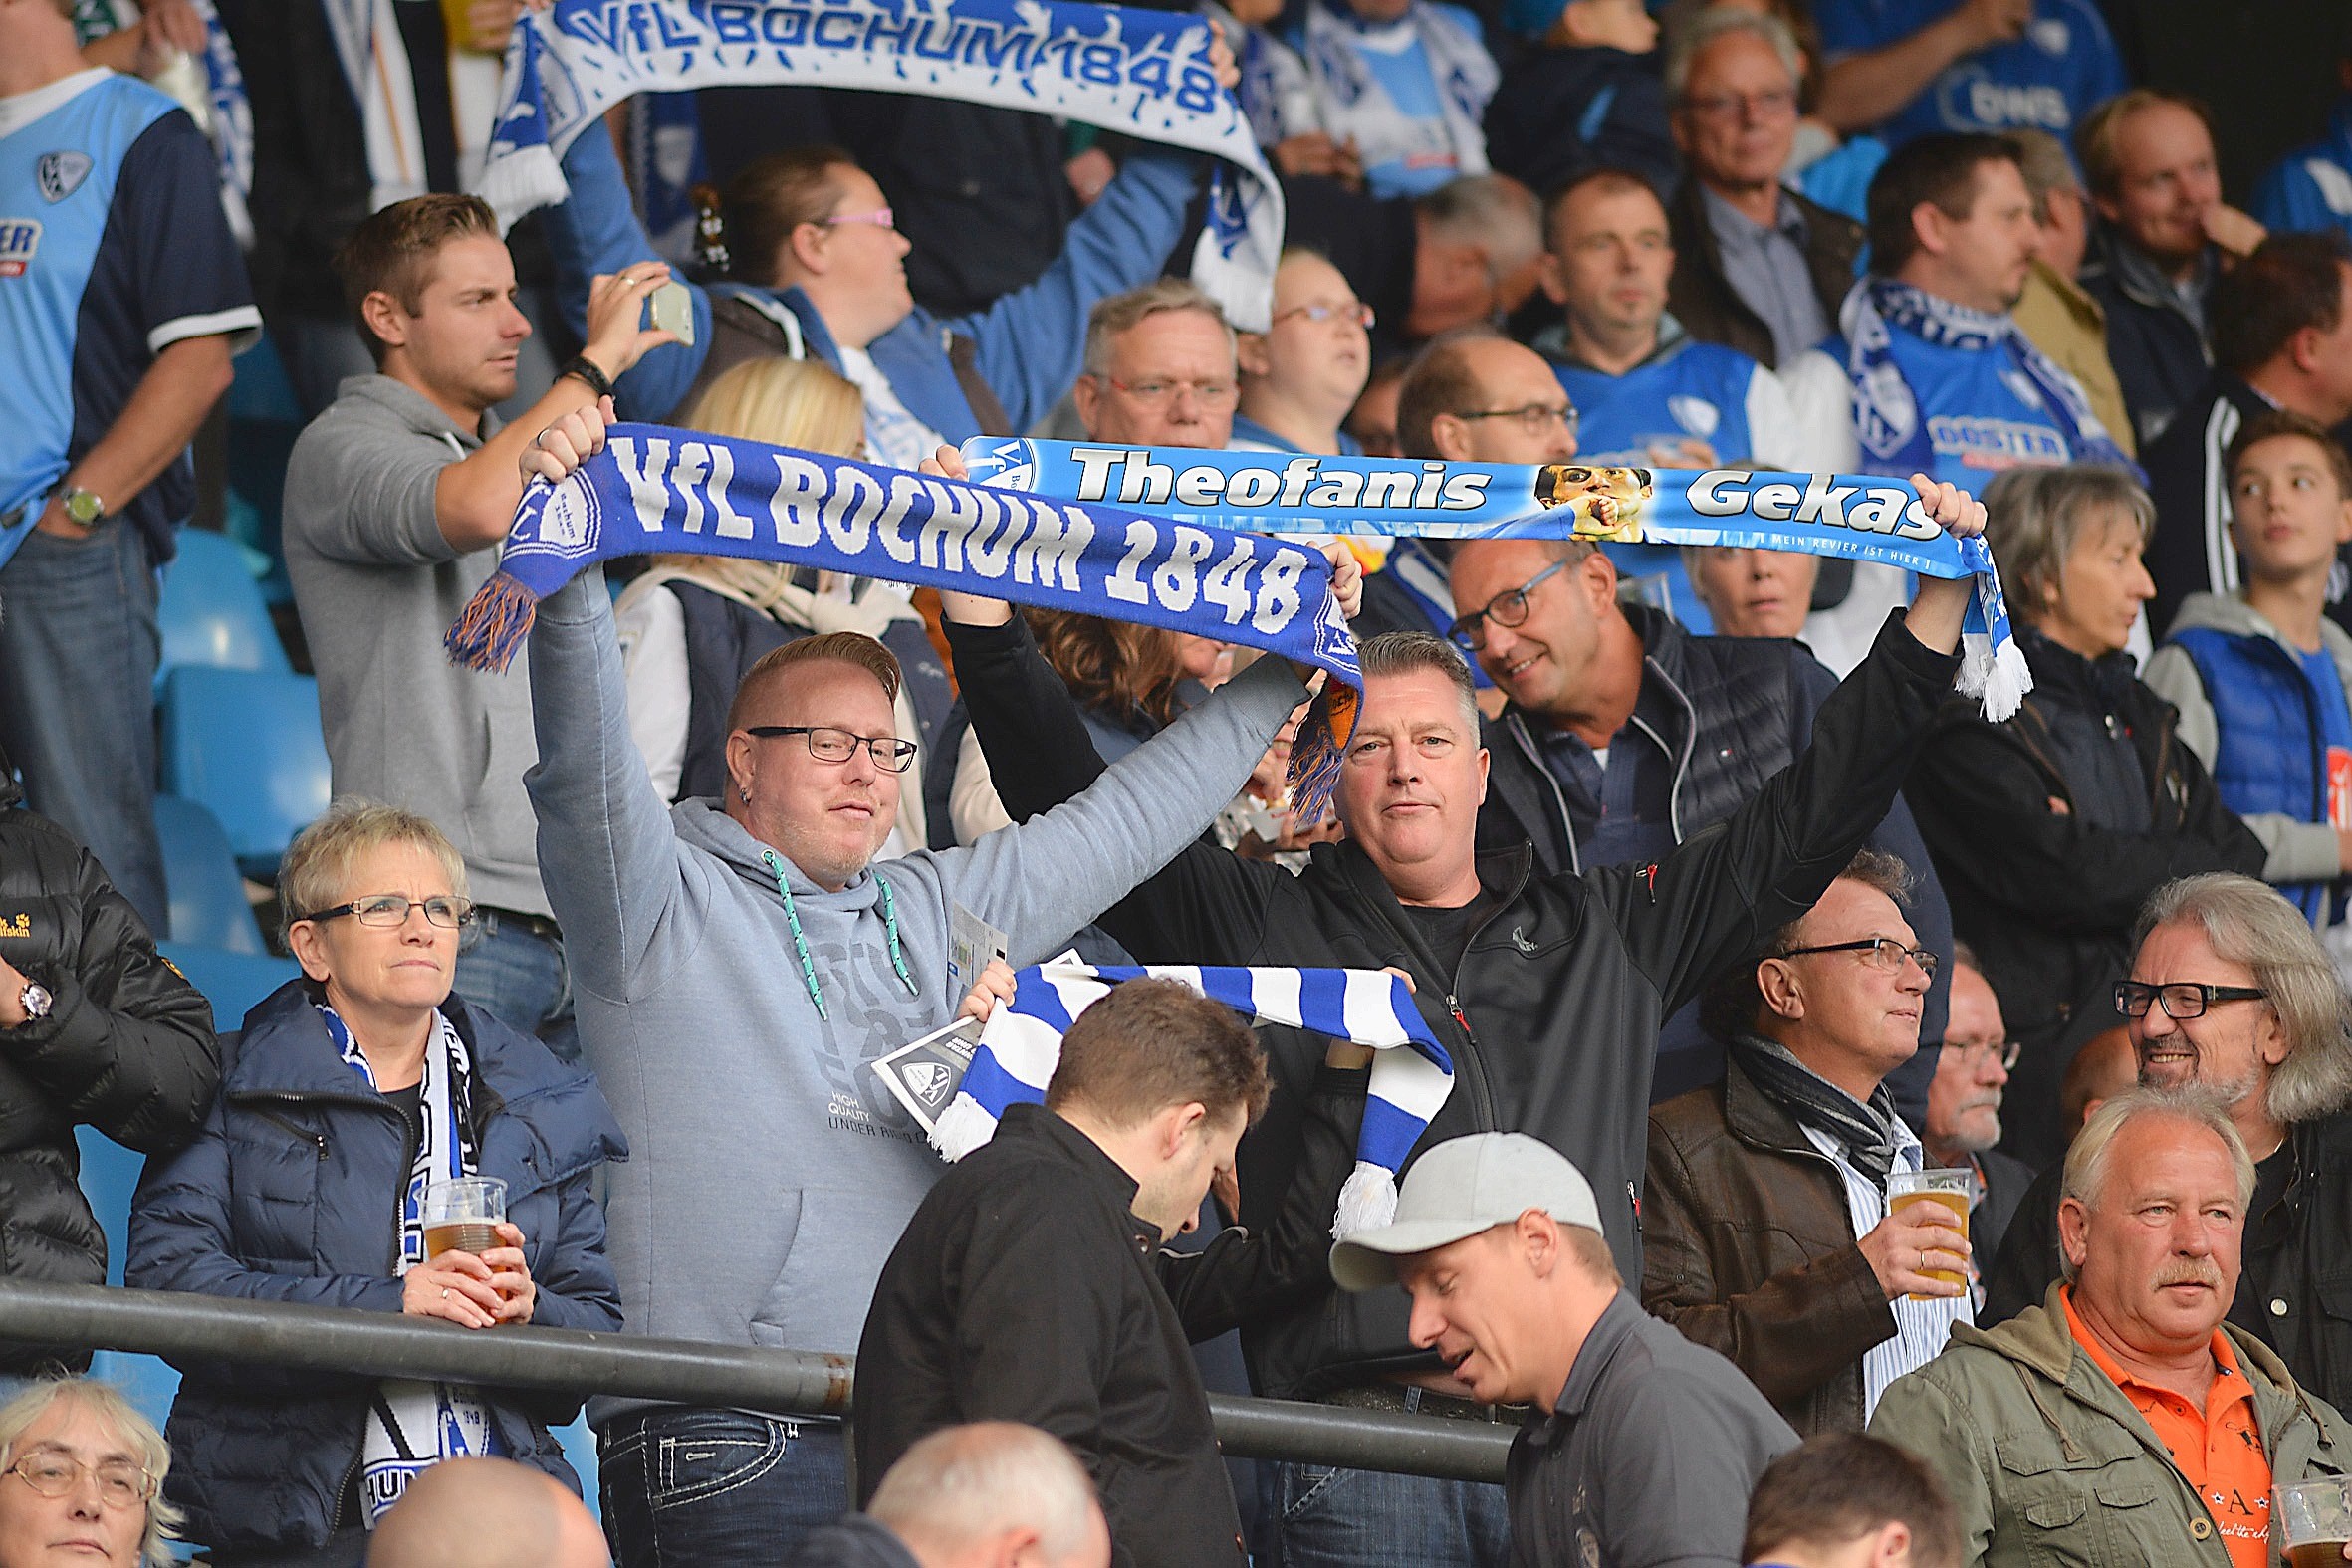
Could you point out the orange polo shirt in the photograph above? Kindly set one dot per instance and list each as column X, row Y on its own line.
column 2219, row 1449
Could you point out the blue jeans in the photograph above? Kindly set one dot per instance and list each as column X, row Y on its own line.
column 519, row 978
column 1327, row 1518
column 717, row 1488
column 79, row 646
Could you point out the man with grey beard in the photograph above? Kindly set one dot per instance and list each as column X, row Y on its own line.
column 2231, row 992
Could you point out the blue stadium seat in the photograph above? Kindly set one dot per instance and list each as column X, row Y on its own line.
column 110, row 1174
column 212, row 612
column 246, row 745
column 234, row 982
column 208, row 904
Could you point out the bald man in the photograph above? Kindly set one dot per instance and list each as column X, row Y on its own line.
column 987, row 1494
column 487, row 1514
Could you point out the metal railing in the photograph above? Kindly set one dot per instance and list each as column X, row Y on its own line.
column 674, row 1371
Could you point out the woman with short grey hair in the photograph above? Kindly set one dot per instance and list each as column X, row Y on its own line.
column 2051, row 829
column 82, row 1468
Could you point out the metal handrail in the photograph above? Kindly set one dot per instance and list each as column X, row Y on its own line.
column 189, row 1327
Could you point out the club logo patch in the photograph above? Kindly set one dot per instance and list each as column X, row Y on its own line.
column 20, row 239
column 59, row 174
column 930, row 1080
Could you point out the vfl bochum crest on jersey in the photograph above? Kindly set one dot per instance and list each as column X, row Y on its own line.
column 59, row 174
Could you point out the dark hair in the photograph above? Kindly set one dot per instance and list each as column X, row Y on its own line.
column 1152, row 1043
column 741, row 228
column 1729, row 1004
column 2291, row 282
column 2273, row 424
column 1939, row 169
column 1833, row 1490
column 1438, row 382
column 391, row 252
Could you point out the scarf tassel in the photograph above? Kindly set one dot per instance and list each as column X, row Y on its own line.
column 1367, row 1201
column 963, row 1127
column 1320, row 747
column 493, row 625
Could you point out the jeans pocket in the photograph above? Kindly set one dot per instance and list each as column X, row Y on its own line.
column 1306, row 1487
column 698, row 1466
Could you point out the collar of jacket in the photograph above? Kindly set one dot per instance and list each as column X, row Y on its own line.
column 1553, row 344
column 2059, row 671
column 2231, row 615
column 1610, row 1331
column 1759, row 1121
column 2137, row 276
column 2076, row 300
column 1033, row 1124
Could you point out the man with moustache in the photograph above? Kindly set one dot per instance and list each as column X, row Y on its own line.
column 2122, row 1421
column 1964, row 1108
column 2231, row 992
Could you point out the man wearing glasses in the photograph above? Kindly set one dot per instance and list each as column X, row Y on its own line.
column 1159, row 370
column 2232, row 991
column 1964, row 1109
column 1767, row 1230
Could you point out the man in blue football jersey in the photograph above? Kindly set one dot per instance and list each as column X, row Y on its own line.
column 1906, row 68
column 122, row 297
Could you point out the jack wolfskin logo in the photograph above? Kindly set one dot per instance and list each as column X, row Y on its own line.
column 59, row 174
column 21, row 926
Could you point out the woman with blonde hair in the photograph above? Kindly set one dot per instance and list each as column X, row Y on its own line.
column 692, row 625
column 81, row 1468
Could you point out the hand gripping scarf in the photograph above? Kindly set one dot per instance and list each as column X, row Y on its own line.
column 1143, row 74
column 661, row 491
column 1859, row 517
column 1411, row 1073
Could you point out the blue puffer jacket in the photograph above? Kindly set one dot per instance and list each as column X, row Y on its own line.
column 289, row 1194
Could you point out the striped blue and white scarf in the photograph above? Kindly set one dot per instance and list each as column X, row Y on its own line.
column 1411, row 1075
column 1143, row 74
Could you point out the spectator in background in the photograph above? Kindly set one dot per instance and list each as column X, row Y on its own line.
column 80, row 1480
column 691, row 627
column 2132, row 1347
column 1943, row 378
column 1770, row 594
column 1963, row 1110
column 2283, row 338
column 2053, row 826
column 1756, row 267
column 1159, row 368
column 2056, row 313
column 488, row 1513
column 1649, row 1443
column 1013, row 1293
column 2106, row 1066
column 2261, row 677
column 1371, row 423
column 2311, row 187
column 985, row 1493
column 1581, row 93
column 1302, row 376
column 1910, row 67
column 1844, row 1501
column 1766, row 1233
column 396, row 500
column 123, row 296
column 1464, row 255
column 2250, row 1010
column 2164, row 237
column 95, row 1028
column 1400, row 85
column 350, row 1092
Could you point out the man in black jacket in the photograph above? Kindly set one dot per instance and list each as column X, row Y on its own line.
column 2231, row 990
column 1546, row 991
column 95, row 1028
column 1031, row 1286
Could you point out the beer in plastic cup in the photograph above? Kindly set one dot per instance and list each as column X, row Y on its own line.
column 460, row 1214
column 2313, row 1520
column 1946, row 1187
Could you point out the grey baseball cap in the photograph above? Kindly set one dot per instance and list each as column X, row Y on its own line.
column 1459, row 1188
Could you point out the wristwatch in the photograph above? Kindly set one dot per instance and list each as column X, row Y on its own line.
column 83, row 506
column 36, row 1000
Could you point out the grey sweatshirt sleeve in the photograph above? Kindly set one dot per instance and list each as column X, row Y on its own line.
column 1041, row 880
column 364, row 494
column 606, row 852
column 2293, row 850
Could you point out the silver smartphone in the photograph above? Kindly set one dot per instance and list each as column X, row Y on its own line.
column 673, row 310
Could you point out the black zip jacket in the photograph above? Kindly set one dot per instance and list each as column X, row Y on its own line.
column 1553, row 1014
column 2047, row 897
column 128, row 1047
column 1025, row 1288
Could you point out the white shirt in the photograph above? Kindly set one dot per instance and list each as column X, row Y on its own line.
column 896, row 438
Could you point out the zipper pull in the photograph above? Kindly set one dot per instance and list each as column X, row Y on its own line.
column 1453, row 1006
column 1634, row 1196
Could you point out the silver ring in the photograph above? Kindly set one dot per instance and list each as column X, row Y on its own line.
column 444, row 1292
column 540, row 440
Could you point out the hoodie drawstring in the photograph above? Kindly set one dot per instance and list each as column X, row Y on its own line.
column 791, row 917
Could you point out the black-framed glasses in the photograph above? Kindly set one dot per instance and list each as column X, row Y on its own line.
column 1879, row 953
column 1508, row 609
column 386, row 910
column 2005, row 1053
column 121, row 1484
column 830, row 744
column 1354, row 311
column 1533, row 419
column 2180, row 999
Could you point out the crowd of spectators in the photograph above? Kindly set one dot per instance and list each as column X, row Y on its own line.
column 1734, row 918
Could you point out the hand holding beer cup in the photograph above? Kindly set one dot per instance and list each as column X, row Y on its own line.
column 1921, row 1249
column 474, row 1272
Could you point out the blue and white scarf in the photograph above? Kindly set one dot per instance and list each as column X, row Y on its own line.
column 413, row 1425
column 1411, row 1073
column 1143, row 74
column 222, row 111
column 1849, row 516
column 1352, row 105
column 1887, row 414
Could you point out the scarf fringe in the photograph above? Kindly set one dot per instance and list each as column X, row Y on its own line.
column 1367, row 1201
column 1998, row 677
column 1321, row 748
column 523, row 182
column 963, row 1127
column 495, row 621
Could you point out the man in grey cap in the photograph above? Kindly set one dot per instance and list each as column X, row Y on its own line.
column 1648, row 1445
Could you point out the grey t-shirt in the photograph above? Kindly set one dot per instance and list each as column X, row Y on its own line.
column 1648, row 1457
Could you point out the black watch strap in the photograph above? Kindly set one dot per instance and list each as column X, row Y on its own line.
column 584, row 369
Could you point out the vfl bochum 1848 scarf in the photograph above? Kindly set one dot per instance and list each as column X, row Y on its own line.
column 1411, row 1073
column 1859, row 517
column 1142, row 73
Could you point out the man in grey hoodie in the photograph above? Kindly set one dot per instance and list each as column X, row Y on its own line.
column 740, row 964
column 395, row 498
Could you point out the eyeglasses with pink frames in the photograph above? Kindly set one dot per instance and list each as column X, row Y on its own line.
column 879, row 218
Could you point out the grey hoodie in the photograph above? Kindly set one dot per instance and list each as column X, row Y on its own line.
column 377, row 585
column 2297, row 851
column 771, row 1174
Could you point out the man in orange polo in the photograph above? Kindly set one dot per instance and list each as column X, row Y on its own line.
column 2123, row 1421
